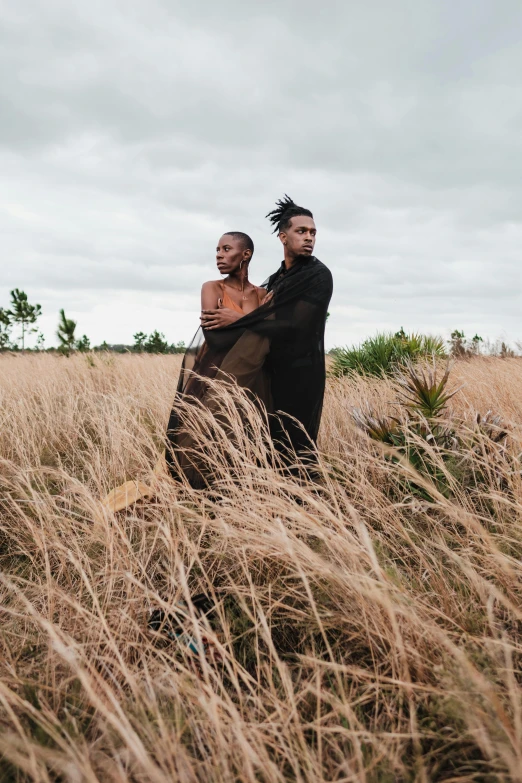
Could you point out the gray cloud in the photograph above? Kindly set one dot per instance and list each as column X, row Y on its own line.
column 132, row 134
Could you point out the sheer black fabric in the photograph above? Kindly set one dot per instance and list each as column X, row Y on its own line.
column 276, row 353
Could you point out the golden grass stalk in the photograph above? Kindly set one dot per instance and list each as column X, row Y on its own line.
column 362, row 632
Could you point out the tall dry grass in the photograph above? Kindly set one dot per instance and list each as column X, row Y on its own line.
column 365, row 631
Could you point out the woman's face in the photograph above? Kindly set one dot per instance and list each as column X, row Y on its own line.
column 231, row 254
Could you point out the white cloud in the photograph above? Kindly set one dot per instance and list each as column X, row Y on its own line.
column 132, row 134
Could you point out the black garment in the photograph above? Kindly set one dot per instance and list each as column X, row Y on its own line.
column 276, row 352
column 296, row 362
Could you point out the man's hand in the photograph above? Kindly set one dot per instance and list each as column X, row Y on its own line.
column 215, row 319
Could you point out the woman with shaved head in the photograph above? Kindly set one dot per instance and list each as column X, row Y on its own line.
column 235, row 295
column 223, row 302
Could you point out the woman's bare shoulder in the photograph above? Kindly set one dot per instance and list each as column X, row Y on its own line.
column 211, row 284
column 211, row 293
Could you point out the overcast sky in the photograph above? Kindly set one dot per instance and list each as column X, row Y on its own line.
column 134, row 132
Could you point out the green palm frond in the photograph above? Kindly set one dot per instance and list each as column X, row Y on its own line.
column 382, row 354
column 381, row 428
column 422, row 391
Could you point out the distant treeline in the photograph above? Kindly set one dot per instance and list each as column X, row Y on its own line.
column 23, row 317
column 375, row 356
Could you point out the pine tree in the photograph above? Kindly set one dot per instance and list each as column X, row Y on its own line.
column 65, row 333
column 178, row 347
column 40, row 342
column 156, row 343
column 139, row 341
column 23, row 313
column 83, row 344
column 5, row 328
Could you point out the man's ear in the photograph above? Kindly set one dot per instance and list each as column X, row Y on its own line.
column 282, row 237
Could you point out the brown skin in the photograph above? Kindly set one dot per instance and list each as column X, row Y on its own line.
column 298, row 238
column 232, row 260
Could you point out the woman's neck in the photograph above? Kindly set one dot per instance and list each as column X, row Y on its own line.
column 238, row 279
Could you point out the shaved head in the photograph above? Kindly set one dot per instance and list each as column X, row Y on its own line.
column 244, row 238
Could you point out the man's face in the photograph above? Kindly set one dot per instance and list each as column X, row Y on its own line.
column 230, row 254
column 299, row 237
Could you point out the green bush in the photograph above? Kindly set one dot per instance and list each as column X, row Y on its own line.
column 382, row 354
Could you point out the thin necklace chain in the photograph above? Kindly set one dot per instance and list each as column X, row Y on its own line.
column 241, row 290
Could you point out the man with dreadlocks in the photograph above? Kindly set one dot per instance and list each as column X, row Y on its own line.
column 302, row 286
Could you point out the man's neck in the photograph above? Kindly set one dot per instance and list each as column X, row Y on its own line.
column 289, row 261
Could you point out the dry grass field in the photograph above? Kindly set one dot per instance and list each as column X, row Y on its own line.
column 368, row 627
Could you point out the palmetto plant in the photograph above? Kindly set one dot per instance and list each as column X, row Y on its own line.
column 421, row 400
column 382, row 354
column 422, row 433
column 421, row 391
column 380, row 428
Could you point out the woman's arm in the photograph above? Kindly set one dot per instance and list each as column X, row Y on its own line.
column 210, row 299
column 213, row 314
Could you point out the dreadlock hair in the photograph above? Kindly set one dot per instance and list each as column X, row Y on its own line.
column 285, row 210
column 244, row 238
